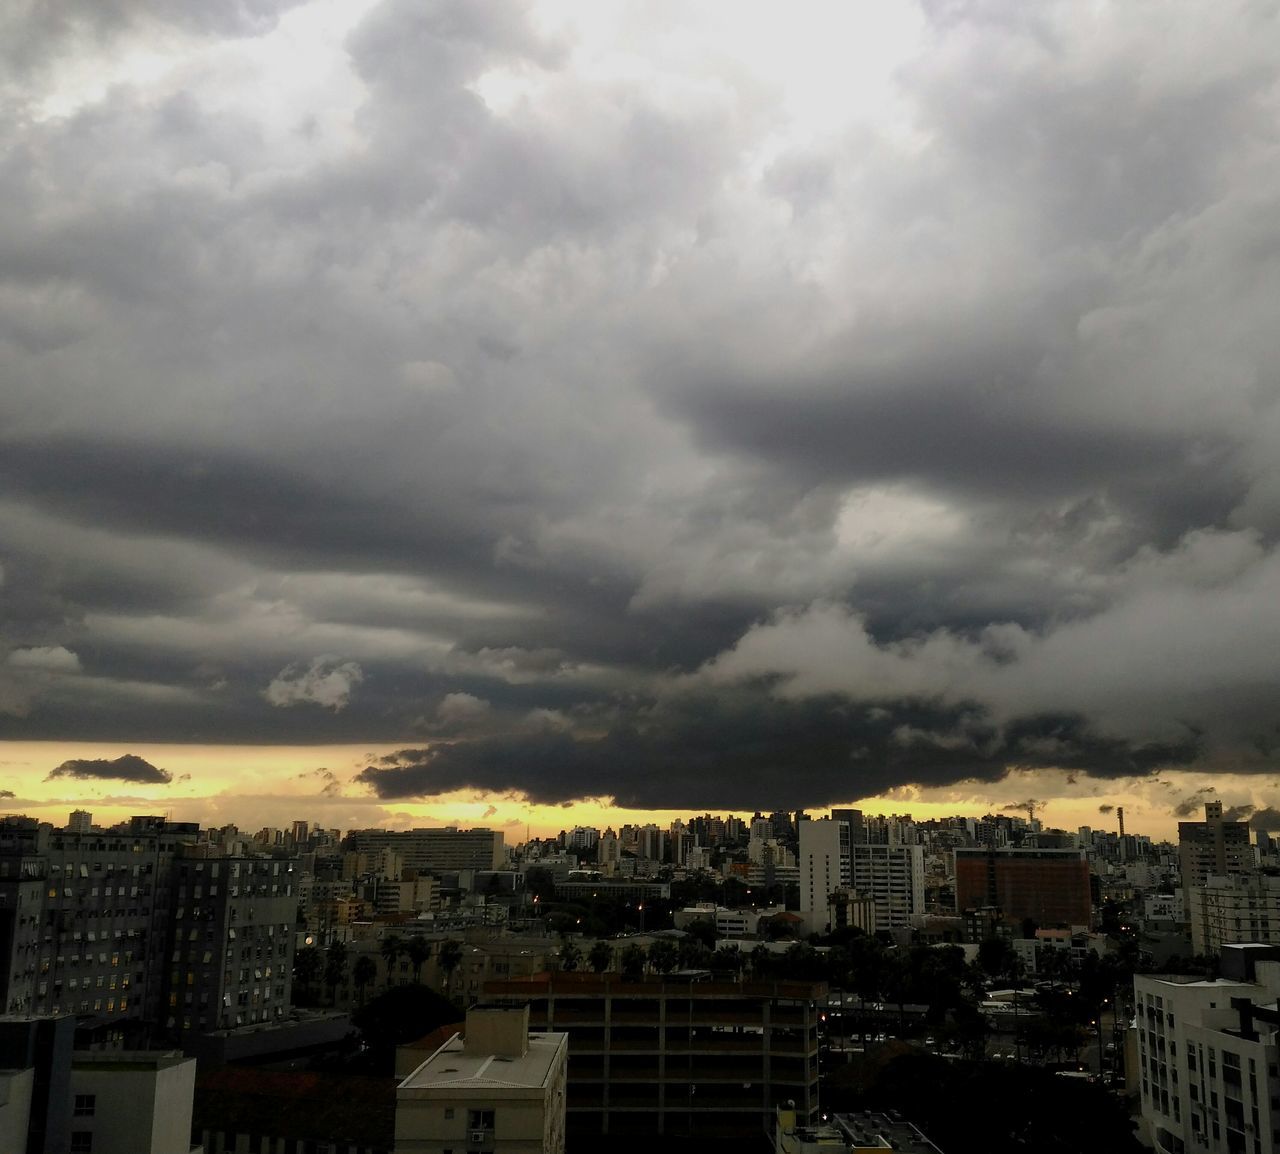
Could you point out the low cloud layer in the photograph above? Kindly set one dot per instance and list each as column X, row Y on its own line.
column 670, row 403
column 126, row 768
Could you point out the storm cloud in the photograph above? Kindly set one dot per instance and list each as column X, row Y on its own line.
column 685, row 406
column 129, row 767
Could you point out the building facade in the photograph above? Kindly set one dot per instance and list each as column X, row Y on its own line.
column 683, row 1058
column 1048, row 886
column 1207, row 1057
column 1213, row 847
column 435, row 849
column 1238, row 908
column 495, row 1088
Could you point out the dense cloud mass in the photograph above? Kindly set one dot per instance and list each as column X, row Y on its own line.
column 129, row 767
column 680, row 404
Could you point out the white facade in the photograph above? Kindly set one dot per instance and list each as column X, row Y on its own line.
column 132, row 1103
column 1207, row 1084
column 501, row 1089
column 1239, row 908
column 892, row 876
column 824, row 866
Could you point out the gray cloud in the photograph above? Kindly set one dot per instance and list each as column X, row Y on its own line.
column 128, row 767
column 644, row 429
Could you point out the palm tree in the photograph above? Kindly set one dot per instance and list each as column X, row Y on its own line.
column 307, row 964
column 362, row 973
column 335, row 968
column 570, row 956
column 449, row 958
column 390, row 948
column 664, row 955
column 633, row 962
column 600, row 957
column 419, row 950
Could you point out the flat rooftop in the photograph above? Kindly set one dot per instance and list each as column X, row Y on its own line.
column 453, row 1069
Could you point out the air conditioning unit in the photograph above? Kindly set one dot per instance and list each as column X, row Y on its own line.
column 479, row 1137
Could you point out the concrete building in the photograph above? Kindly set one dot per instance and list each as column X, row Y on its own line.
column 891, row 876
column 1048, row 886
column 849, row 1134
column 1213, row 847
column 126, row 1102
column 677, row 1057
column 232, row 932
column 496, row 1087
column 1239, row 908
column 17, row 1088
column 1207, row 1056
column 436, row 849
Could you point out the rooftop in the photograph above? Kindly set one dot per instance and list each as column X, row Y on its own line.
column 452, row 1068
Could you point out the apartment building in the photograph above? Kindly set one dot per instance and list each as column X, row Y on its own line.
column 495, row 1087
column 1213, row 847
column 675, row 1056
column 1208, row 1056
column 1048, row 886
column 891, row 876
column 1237, row 908
column 427, row 850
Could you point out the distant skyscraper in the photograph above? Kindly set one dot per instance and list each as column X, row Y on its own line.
column 1049, row 886
column 80, row 821
column 1213, row 847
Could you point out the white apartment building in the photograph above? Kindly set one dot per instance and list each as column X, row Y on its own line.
column 500, row 1089
column 1237, row 908
column 892, row 876
column 1207, row 1057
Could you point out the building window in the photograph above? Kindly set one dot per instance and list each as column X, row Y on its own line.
column 81, row 1142
column 85, row 1105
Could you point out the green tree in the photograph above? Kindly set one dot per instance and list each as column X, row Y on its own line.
column 307, row 965
column 450, row 958
column 600, row 957
column 570, row 955
column 664, row 955
column 418, row 950
column 391, row 947
column 400, row 1015
column 362, row 973
column 633, row 962
column 335, row 968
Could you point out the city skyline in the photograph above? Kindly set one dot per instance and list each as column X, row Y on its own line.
column 687, row 406
column 330, row 797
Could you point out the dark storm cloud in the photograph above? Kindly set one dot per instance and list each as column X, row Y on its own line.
column 128, row 767
column 750, row 749
column 1266, row 819
column 636, row 429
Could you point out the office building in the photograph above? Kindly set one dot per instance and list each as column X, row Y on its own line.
column 825, row 866
column 1239, row 908
column 1047, row 886
column 677, row 1057
column 435, row 850
column 1213, row 847
column 495, row 1087
column 1207, row 1056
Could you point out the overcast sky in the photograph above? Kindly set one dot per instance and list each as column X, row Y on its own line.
column 699, row 405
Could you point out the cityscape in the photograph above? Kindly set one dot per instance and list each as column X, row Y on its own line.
column 612, row 576
column 787, row 977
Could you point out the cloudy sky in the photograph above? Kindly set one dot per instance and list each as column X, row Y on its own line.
column 415, row 405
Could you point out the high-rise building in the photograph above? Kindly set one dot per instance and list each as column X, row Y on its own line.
column 80, row 821
column 1207, row 1056
column 1213, row 847
column 892, row 876
column 1239, row 908
column 436, row 849
column 1048, row 886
